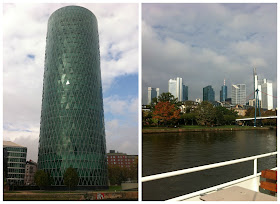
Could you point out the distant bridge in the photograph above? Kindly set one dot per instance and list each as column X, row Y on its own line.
column 257, row 118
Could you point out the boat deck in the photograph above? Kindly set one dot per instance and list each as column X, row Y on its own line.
column 251, row 184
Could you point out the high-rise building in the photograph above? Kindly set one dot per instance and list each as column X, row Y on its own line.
column 238, row 94
column 255, row 81
column 16, row 159
column 267, row 99
column 175, row 87
column 208, row 94
column 72, row 132
column 260, row 82
column 157, row 90
column 185, row 93
column 265, row 91
column 223, row 92
column 152, row 93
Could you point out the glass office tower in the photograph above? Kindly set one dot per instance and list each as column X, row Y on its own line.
column 208, row 94
column 72, row 132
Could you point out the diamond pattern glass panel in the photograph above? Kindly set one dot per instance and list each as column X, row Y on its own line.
column 72, row 129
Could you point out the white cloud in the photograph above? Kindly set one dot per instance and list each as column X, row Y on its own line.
column 205, row 43
column 24, row 33
column 126, row 107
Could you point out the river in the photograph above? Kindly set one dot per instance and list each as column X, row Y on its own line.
column 173, row 151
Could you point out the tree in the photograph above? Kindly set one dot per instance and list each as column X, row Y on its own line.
column 205, row 114
column 188, row 118
column 229, row 119
column 166, row 112
column 42, row 179
column 224, row 116
column 251, row 112
column 134, row 169
column 164, row 97
column 118, row 174
column 219, row 115
column 146, row 116
column 71, row 178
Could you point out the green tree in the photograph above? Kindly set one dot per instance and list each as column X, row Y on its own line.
column 229, row 119
column 224, row 116
column 42, row 179
column 205, row 114
column 71, row 178
column 188, row 118
column 164, row 97
column 117, row 174
column 146, row 117
column 251, row 112
column 134, row 169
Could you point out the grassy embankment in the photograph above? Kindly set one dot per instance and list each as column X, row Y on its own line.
column 197, row 128
column 53, row 195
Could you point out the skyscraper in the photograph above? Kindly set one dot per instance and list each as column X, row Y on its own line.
column 185, row 93
column 175, row 87
column 223, row 92
column 265, row 91
column 267, row 99
column 255, row 81
column 208, row 93
column 72, row 132
column 152, row 93
column 238, row 94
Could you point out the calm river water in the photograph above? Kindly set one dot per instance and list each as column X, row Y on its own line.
column 173, row 151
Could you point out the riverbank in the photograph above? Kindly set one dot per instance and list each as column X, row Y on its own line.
column 196, row 128
column 67, row 196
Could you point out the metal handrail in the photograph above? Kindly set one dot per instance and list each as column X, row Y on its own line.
column 209, row 166
column 214, row 188
column 265, row 117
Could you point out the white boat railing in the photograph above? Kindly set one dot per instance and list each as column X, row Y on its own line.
column 210, row 166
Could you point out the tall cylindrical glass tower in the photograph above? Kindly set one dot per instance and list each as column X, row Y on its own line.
column 72, row 132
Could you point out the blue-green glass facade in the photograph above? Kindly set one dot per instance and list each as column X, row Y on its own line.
column 223, row 93
column 72, row 131
column 208, row 94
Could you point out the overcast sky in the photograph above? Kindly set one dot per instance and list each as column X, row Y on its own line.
column 24, row 33
column 205, row 43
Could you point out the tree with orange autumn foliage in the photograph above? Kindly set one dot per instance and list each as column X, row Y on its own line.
column 166, row 112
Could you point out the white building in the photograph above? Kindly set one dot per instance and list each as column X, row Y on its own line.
column 267, row 99
column 238, row 94
column 152, row 93
column 265, row 91
column 175, row 87
column 255, row 81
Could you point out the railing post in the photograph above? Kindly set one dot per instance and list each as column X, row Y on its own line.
column 255, row 167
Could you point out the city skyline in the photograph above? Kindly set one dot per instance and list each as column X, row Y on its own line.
column 223, row 93
column 23, row 72
column 209, row 42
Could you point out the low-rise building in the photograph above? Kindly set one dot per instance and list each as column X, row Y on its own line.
column 121, row 159
column 16, row 159
column 30, row 170
column 240, row 109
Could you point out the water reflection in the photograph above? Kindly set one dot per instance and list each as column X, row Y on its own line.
column 168, row 152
